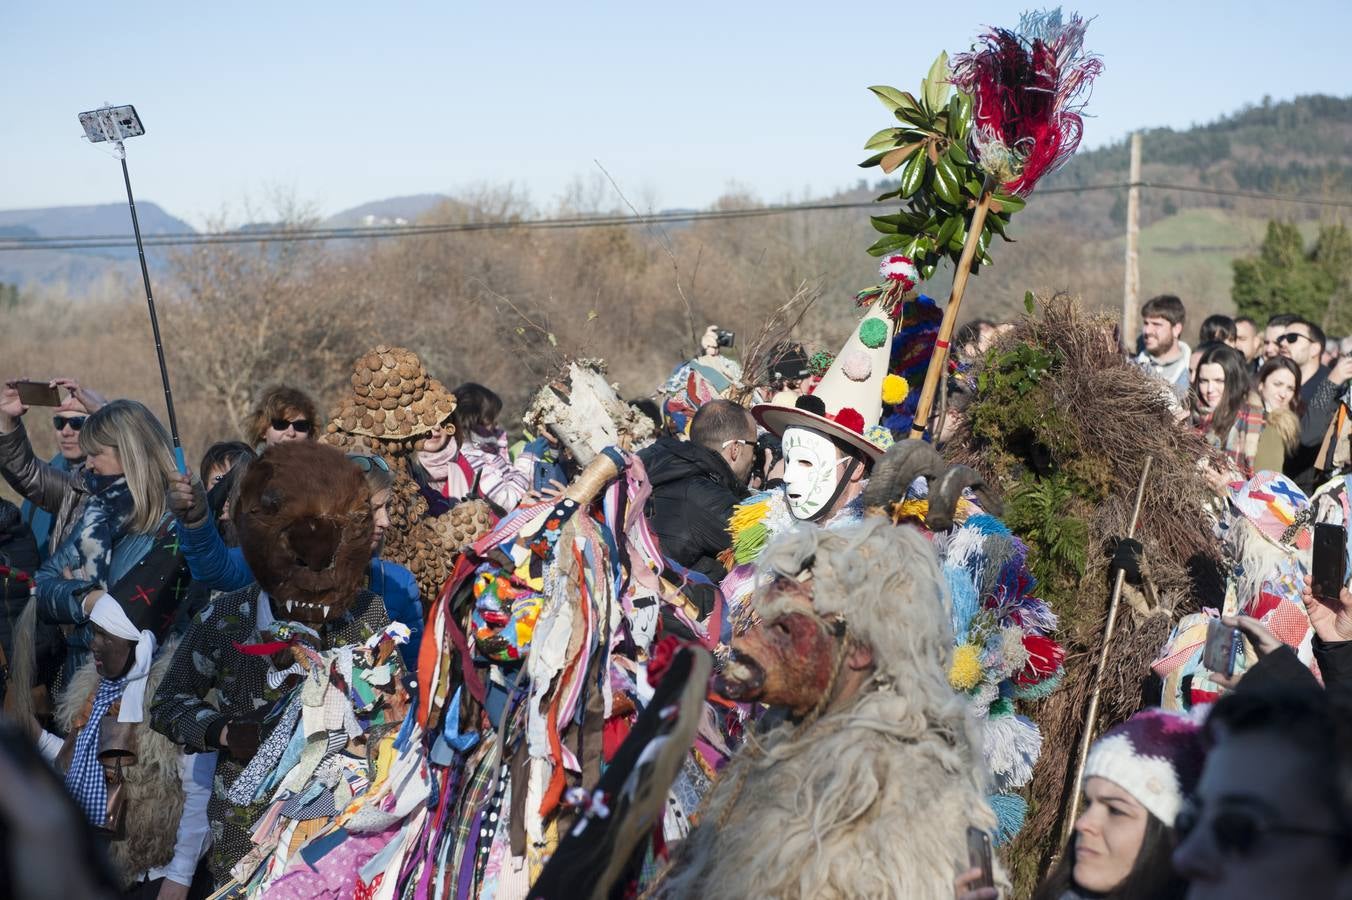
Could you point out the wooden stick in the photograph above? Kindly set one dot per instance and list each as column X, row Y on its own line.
column 1091, row 719
column 939, row 359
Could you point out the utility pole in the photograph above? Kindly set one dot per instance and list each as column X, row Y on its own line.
column 1131, row 292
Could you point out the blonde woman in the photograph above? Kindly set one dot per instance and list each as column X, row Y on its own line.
column 128, row 461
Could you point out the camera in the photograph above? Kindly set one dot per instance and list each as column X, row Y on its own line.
column 725, row 338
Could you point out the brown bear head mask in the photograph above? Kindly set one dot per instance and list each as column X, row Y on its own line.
column 305, row 525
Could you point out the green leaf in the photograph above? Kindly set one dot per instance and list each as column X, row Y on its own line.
column 960, row 158
column 964, row 116
column 884, row 139
column 886, row 244
column 947, row 230
column 936, row 83
column 873, row 160
column 879, row 224
column 1010, row 203
column 947, row 184
column 971, row 186
column 888, row 96
column 888, row 196
column 1028, row 301
column 912, row 174
column 959, row 236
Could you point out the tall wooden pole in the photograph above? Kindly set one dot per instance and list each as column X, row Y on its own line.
column 1131, row 292
column 939, row 359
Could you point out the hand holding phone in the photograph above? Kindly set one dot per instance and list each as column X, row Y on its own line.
column 37, row 393
column 1328, row 565
column 1222, row 648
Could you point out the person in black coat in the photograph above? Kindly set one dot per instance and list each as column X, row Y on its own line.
column 696, row 483
column 18, row 563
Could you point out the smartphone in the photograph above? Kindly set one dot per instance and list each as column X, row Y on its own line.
column 37, row 393
column 1222, row 648
column 1328, row 567
column 979, row 856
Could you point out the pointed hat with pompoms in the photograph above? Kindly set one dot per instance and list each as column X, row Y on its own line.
column 847, row 404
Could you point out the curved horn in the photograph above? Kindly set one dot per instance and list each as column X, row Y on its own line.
column 903, row 463
column 947, row 490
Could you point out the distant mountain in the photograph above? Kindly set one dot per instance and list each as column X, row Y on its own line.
column 391, row 211
column 76, row 270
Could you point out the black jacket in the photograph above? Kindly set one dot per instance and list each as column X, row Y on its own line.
column 1321, row 398
column 694, row 492
column 18, row 556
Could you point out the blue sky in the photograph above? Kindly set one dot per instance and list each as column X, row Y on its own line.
column 338, row 103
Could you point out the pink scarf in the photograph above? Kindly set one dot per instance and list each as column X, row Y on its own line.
column 442, row 467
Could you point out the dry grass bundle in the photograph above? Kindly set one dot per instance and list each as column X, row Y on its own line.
column 1063, row 423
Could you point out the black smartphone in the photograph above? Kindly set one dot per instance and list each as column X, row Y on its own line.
column 37, row 393
column 979, row 856
column 1328, row 568
column 1222, row 648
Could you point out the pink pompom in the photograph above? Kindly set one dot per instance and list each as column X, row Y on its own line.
column 856, row 365
column 896, row 267
column 850, row 418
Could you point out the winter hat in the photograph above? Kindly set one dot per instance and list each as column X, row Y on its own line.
column 1156, row 756
column 393, row 398
column 1272, row 502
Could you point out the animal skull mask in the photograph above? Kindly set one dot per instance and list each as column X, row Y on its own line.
column 812, row 478
column 304, row 521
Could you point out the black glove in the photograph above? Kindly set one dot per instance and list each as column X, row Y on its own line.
column 1128, row 556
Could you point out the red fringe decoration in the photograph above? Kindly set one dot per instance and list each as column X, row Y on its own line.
column 1026, row 89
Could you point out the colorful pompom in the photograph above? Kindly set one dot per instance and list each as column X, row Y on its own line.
column 849, row 417
column 873, row 332
column 896, row 267
column 965, row 673
column 1044, row 658
column 895, row 389
column 820, row 362
column 856, row 365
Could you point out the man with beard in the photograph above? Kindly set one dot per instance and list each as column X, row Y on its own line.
column 869, row 787
column 305, row 524
column 1163, row 354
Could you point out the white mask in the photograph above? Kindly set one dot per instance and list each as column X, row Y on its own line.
column 811, row 463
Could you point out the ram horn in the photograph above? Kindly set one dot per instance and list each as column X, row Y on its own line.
column 946, row 491
column 903, row 463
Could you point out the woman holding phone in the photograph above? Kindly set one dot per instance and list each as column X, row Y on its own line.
column 1135, row 780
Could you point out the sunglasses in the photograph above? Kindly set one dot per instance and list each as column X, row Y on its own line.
column 1238, row 831
column 75, row 422
column 1292, row 336
column 302, row 426
column 366, row 463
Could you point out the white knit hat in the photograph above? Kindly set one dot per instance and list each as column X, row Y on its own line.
column 1156, row 756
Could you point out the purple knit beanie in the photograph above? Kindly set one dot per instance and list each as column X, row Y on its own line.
column 1156, row 756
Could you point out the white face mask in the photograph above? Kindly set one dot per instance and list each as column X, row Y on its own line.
column 811, row 462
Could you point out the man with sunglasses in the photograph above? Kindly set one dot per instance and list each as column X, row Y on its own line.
column 1270, row 817
column 42, row 481
column 1321, row 390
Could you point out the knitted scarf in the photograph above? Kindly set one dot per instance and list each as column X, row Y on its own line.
column 443, row 468
column 1241, row 442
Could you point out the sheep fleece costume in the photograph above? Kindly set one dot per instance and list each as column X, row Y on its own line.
column 873, row 799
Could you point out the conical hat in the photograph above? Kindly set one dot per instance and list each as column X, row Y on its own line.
column 850, row 394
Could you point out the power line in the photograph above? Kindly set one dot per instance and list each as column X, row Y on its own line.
column 273, row 235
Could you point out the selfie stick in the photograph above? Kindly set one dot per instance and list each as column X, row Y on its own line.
column 114, row 124
column 1091, row 719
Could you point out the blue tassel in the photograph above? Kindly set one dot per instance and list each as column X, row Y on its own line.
column 987, row 524
column 1044, row 688
column 966, row 604
column 1010, row 812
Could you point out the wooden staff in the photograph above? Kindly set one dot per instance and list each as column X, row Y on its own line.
column 1091, row 720
column 939, row 359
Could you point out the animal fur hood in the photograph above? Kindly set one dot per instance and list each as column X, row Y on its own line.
column 153, row 785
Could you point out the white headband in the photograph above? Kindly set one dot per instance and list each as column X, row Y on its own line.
column 109, row 615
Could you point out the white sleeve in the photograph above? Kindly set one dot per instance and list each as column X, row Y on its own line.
column 49, row 745
column 196, row 770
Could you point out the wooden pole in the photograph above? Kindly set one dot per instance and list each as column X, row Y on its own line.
column 939, row 359
column 1131, row 292
column 1091, row 719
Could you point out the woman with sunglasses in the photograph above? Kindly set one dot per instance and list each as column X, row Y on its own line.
column 283, row 413
column 1135, row 781
column 220, row 567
